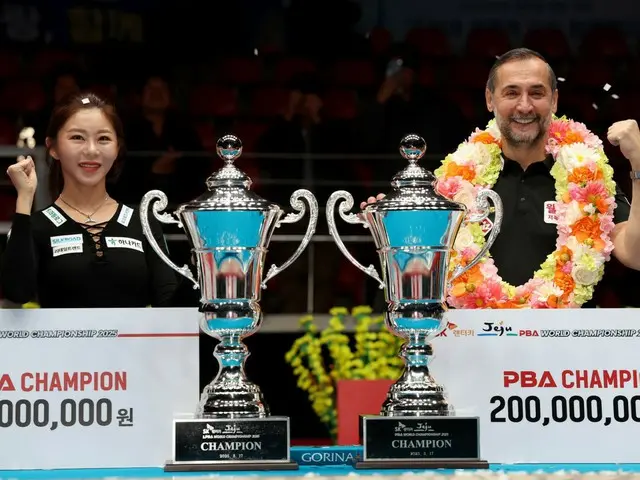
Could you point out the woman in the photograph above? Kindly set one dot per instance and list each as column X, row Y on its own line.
column 85, row 250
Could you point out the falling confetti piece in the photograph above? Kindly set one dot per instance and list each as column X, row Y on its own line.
column 606, row 87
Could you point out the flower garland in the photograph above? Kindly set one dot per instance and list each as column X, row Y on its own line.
column 585, row 195
column 375, row 356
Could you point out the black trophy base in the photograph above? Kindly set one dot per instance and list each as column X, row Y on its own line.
column 226, row 444
column 438, row 442
column 422, row 464
column 229, row 466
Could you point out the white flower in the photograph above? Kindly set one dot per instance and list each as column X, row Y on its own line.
column 493, row 129
column 548, row 289
column 573, row 213
column 464, row 239
column 476, row 154
column 466, row 195
column 584, row 276
column 574, row 155
column 578, row 249
column 589, row 209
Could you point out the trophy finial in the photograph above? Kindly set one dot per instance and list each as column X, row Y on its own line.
column 229, row 148
column 413, row 147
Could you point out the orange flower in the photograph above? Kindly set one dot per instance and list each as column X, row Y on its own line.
column 464, row 171
column 563, row 255
column 467, row 282
column 586, row 227
column 582, row 175
column 484, row 137
column 601, row 204
column 564, row 281
column 567, row 137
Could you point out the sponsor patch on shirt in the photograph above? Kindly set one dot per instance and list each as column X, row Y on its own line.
column 67, row 249
column 486, row 225
column 124, row 242
column 54, row 215
column 550, row 213
column 75, row 239
column 125, row 215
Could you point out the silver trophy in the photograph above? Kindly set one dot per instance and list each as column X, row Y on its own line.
column 229, row 228
column 414, row 229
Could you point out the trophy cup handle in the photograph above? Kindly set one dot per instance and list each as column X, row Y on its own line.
column 483, row 204
column 353, row 219
column 167, row 218
column 298, row 205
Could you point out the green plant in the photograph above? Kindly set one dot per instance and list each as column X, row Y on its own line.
column 320, row 359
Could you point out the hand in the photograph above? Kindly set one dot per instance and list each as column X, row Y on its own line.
column 626, row 135
column 389, row 87
column 23, row 176
column 380, row 196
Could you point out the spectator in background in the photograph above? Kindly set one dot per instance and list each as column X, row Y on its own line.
column 302, row 131
column 65, row 81
column 401, row 107
column 156, row 128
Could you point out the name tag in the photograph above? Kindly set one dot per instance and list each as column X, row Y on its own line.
column 124, row 242
column 67, row 240
column 550, row 214
column 66, row 249
column 54, row 216
column 125, row 215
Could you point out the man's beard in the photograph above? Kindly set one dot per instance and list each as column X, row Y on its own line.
column 520, row 139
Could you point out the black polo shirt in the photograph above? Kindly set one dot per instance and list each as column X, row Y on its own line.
column 526, row 239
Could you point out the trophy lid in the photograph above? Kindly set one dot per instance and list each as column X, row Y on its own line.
column 229, row 187
column 414, row 186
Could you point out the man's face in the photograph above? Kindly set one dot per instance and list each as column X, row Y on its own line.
column 523, row 103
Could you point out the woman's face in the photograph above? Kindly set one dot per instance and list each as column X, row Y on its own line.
column 86, row 147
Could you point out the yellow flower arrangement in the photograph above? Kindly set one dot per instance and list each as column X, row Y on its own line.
column 321, row 359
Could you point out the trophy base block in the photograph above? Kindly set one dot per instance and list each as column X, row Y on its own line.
column 201, row 444
column 422, row 464
column 418, row 442
column 229, row 466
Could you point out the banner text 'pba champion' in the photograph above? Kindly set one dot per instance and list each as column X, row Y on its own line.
column 414, row 230
column 229, row 229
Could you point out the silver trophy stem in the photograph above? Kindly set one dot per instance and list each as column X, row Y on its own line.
column 231, row 394
column 352, row 219
column 415, row 393
column 483, row 203
column 300, row 208
column 166, row 218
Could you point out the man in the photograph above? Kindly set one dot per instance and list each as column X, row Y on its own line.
column 522, row 94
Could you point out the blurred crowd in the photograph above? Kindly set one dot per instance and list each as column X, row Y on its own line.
column 311, row 109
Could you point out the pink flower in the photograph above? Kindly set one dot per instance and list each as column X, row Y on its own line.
column 567, row 267
column 488, row 269
column 606, row 224
column 588, row 137
column 449, row 186
column 469, row 253
column 590, row 193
